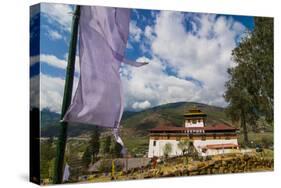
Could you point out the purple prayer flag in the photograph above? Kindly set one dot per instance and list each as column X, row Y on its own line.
column 103, row 35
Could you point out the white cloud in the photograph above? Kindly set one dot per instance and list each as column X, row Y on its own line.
column 53, row 61
column 135, row 11
column 201, row 55
column 148, row 33
column 150, row 83
column 141, row 105
column 59, row 14
column 34, row 59
column 51, row 88
column 58, row 63
column 34, row 91
column 51, row 92
column 135, row 32
column 204, row 55
column 54, row 35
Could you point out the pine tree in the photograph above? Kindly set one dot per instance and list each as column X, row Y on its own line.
column 115, row 149
column 94, row 146
column 87, row 156
column 105, row 146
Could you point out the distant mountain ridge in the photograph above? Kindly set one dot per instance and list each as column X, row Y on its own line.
column 136, row 125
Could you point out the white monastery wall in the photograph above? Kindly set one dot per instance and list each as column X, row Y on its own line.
column 157, row 149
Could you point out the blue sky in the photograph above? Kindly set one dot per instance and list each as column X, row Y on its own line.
column 189, row 54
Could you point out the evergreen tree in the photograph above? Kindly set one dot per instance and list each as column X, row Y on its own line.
column 94, row 146
column 86, row 158
column 105, row 146
column 115, row 149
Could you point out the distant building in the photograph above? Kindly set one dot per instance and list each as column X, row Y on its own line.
column 207, row 139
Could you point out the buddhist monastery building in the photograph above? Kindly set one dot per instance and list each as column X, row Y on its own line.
column 208, row 140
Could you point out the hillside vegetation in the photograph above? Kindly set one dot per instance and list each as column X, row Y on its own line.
column 135, row 125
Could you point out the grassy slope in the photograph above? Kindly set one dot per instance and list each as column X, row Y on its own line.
column 258, row 138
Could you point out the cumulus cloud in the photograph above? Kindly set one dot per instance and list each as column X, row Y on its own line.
column 149, row 33
column 51, row 88
column 150, row 83
column 204, row 55
column 141, row 105
column 135, row 32
column 54, row 61
column 34, row 59
column 186, row 64
column 60, row 14
column 54, row 35
column 51, row 92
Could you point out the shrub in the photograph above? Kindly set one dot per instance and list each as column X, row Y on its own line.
column 266, row 142
column 167, row 149
column 106, row 165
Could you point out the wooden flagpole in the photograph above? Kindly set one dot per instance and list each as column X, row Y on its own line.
column 61, row 142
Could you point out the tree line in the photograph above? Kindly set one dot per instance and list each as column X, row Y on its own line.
column 101, row 146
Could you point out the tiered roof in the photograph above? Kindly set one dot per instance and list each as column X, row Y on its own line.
column 195, row 112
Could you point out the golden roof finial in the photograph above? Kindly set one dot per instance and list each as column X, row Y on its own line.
column 194, row 111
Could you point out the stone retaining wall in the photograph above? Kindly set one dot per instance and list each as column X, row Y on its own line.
column 215, row 166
